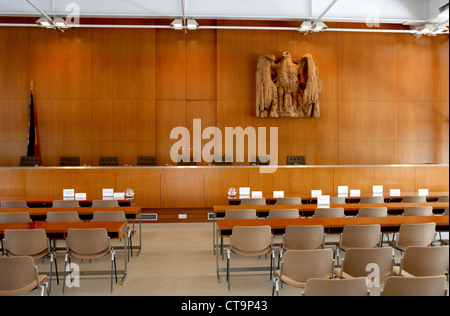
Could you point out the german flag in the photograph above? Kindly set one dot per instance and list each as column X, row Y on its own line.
column 33, row 148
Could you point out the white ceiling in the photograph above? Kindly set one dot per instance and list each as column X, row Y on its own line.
column 388, row 11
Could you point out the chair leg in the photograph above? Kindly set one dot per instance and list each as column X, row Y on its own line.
column 228, row 267
column 64, row 274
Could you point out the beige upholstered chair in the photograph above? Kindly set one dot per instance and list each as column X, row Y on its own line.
column 289, row 201
column 250, row 241
column 422, row 234
column 63, row 217
column 371, row 199
column 253, row 201
column 418, row 211
column 337, row 200
column 19, row 217
column 298, row 266
column 336, row 212
column 446, row 211
column 65, row 203
column 284, row 213
column 359, row 236
column 414, row 199
column 89, row 244
column 373, row 212
column 105, row 203
column 14, row 204
column 30, row 242
column 19, row 275
column 443, row 198
column 336, row 287
column 358, row 261
column 417, row 286
column 237, row 214
column 424, row 261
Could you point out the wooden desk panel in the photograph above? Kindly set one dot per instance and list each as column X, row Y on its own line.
column 92, row 181
column 219, row 180
column 145, row 183
column 183, row 187
column 12, row 182
column 47, row 182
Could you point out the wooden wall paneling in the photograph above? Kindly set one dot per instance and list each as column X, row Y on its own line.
column 93, row 180
column 12, row 182
column 124, row 64
column 14, row 120
column 201, row 65
column 61, row 64
column 306, row 179
column 170, row 64
column 183, row 187
column 315, row 152
column 11, row 152
column 47, row 182
column 219, row 179
column 52, row 150
column 395, row 177
column 14, row 81
column 359, row 178
column 280, row 180
column 367, row 153
column 125, row 150
column 145, row 183
column 433, row 178
column 423, row 151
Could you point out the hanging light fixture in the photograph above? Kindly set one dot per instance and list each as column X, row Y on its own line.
column 177, row 24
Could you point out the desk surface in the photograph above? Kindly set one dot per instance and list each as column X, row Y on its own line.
column 50, row 199
column 42, row 211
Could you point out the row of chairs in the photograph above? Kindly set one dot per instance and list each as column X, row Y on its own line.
column 61, row 204
column 304, row 256
column 339, row 200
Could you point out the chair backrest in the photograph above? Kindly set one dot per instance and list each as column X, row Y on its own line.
column 418, row 286
column 301, row 265
column 329, row 212
column 446, row 211
column 303, row 237
column 358, row 262
column 108, row 161
column 14, row 204
column 373, row 212
column 426, row 261
column 289, row 201
column 251, row 239
column 240, row 214
column 414, row 199
column 15, row 274
column 422, row 234
column 63, row 217
column 113, row 216
column 69, row 161
column 19, row 217
column 29, row 161
column 443, row 198
column 285, row 213
column 371, row 199
column 65, row 203
column 253, row 201
column 337, row 200
column 105, row 203
column 26, row 242
column 88, row 241
column 147, row 161
column 418, row 211
column 361, row 236
column 336, row 287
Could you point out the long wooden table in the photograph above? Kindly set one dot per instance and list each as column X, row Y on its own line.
column 58, row 230
column 47, row 201
column 132, row 213
column 331, row 225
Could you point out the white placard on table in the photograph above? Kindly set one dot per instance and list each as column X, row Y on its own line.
column 343, row 191
column 244, row 191
column 80, row 196
column 119, row 195
column 355, row 193
column 278, row 194
column 257, row 194
column 316, row 193
column 108, row 192
column 68, row 193
column 323, row 200
column 423, row 192
column 377, row 190
column 394, row 192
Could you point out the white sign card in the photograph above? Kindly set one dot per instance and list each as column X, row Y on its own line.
column 256, row 194
column 278, row 194
column 119, row 195
column 244, row 191
column 377, row 190
column 323, row 200
column 69, row 193
column 394, row 192
column 343, row 191
column 355, row 192
column 108, row 192
column 316, row 193
column 80, row 196
column 423, row 192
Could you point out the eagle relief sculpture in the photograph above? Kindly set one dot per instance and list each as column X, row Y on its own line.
column 287, row 87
